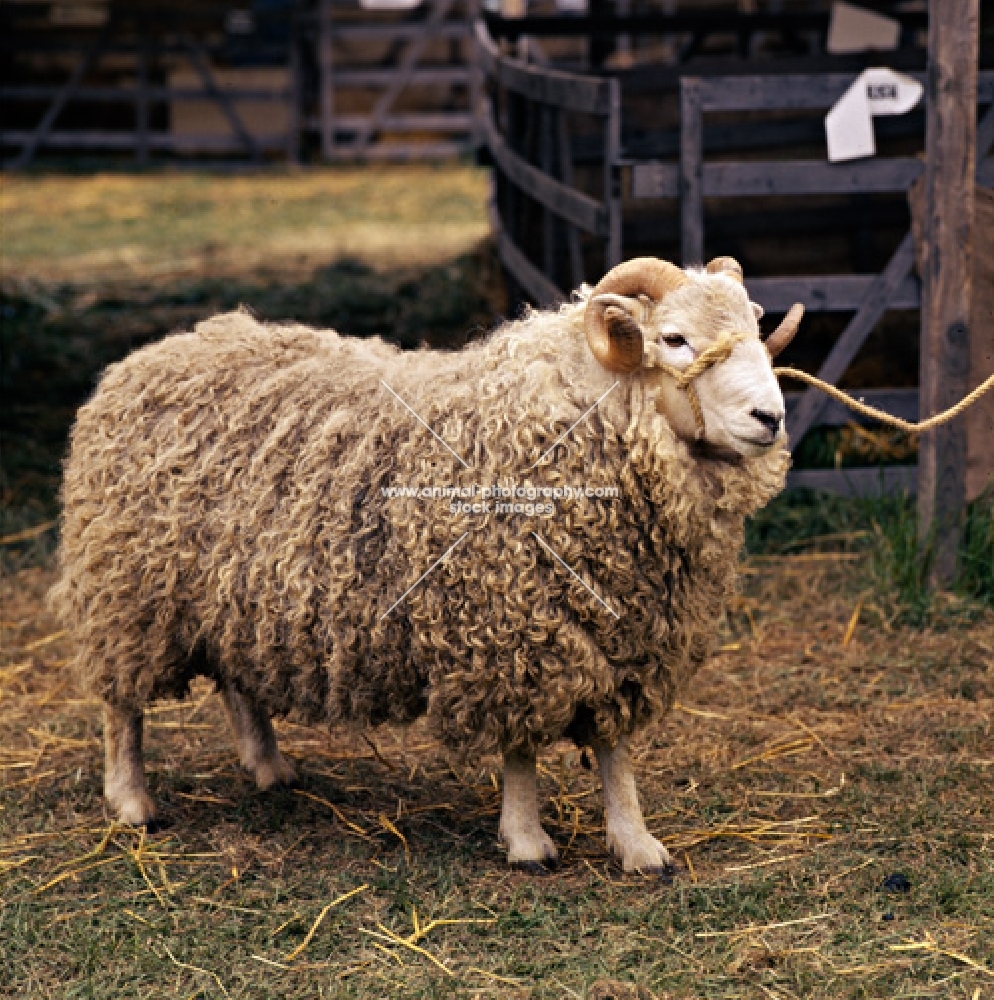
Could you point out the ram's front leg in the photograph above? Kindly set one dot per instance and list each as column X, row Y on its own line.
column 627, row 836
column 528, row 846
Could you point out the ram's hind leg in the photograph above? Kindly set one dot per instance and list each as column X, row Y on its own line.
column 257, row 748
column 627, row 836
column 124, row 773
column 528, row 845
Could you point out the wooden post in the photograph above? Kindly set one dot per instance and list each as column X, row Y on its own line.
column 612, row 178
column 947, row 278
column 141, row 93
column 327, row 82
column 691, row 173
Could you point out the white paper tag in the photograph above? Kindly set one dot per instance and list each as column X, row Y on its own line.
column 876, row 91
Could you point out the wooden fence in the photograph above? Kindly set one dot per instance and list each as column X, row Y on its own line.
column 367, row 85
column 142, row 63
column 535, row 161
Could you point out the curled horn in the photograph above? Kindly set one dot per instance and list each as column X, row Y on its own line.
column 618, row 344
column 728, row 266
column 784, row 333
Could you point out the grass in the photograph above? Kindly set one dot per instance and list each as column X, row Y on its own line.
column 884, row 529
column 819, row 753
column 119, row 228
column 839, row 738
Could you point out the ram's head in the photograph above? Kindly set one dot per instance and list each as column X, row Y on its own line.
column 693, row 338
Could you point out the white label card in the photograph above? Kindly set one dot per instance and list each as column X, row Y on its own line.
column 876, row 91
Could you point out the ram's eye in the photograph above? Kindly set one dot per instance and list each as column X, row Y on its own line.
column 675, row 340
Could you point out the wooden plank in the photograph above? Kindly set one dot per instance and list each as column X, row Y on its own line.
column 128, row 95
column 419, row 75
column 877, row 301
column 805, row 177
column 40, row 134
column 793, row 91
column 828, row 292
column 980, row 420
column 691, row 172
column 702, row 23
column 578, row 208
column 476, row 76
column 402, row 73
column 798, row 91
column 326, row 80
column 447, row 121
column 546, row 126
column 401, row 152
column 947, row 276
column 539, row 288
column 207, row 141
column 571, row 91
column 901, row 403
column 566, row 174
column 400, row 32
column 141, row 95
column 857, row 482
column 655, row 180
column 294, row 98
column 612, row 178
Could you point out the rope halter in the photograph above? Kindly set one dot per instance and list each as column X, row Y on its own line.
column 616, row 339
column 718, row 352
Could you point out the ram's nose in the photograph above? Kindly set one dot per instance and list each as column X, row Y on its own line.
column 771, row 422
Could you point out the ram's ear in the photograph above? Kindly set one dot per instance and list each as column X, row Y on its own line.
column 757, row 310
column 619, row 330
column 634, row 306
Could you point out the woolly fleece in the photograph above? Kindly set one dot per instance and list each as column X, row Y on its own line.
column 223, row 515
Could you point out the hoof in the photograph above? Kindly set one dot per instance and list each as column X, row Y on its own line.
column 275, row 774
column 639, row 852
column 134, row 809
column 535, row 867
column 157, row 824
column 663, row 873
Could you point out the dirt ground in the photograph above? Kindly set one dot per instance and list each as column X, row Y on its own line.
column 825, row 784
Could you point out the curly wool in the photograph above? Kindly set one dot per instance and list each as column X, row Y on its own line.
column 223, row 515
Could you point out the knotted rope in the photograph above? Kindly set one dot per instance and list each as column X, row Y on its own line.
column 886, row 418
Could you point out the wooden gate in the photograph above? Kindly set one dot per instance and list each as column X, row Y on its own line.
column 369, row 63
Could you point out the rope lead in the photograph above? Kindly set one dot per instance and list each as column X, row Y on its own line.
column 887, row 418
